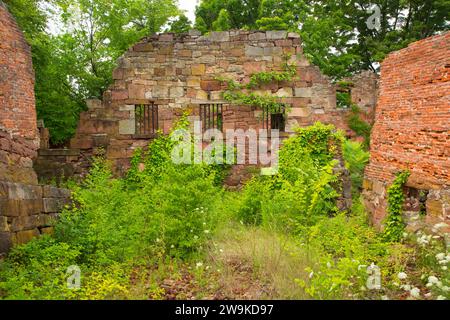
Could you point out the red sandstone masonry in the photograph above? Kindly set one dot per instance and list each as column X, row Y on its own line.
column 412, row 124
column 178, row 72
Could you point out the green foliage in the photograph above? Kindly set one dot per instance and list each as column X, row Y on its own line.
column 271, row 23
column 180, row 25
column 268, row 103
column 356, row 159
column 223, row 21
column 237, row 93
column 335, row 34
column 319, row 140
column 303, row 189
column 394, row 226
column 359, row 126
column 343, row 100
column 76, row 63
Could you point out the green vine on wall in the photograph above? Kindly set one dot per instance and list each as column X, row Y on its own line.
column 238, row 93
column 395, row 225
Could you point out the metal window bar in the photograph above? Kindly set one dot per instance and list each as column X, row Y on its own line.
column 146, row 119
column 274, row 120
column 211, row 116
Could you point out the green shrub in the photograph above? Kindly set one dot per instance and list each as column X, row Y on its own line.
column 359, row 126
column 303, row 188
column 356, row 159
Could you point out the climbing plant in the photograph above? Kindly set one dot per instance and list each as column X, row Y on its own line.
column 238, row 93
column 394, row 223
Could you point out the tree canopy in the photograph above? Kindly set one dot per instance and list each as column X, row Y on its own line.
column 335, row 33
column 74, row 60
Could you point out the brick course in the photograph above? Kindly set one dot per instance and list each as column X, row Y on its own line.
column 18, row 130
column 412, row 125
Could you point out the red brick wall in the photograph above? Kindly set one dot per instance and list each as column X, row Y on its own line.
column 18, row 129
column 412, row 125
column 17, row 103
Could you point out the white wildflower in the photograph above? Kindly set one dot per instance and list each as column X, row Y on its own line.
column 444, row 268
column 406, row 287
column 440, row 256
column 441, row 298
column 433, row 280
column 311, row 274
column 402, row 276
column 199, row 265
column 415, row 292
column 206, row 231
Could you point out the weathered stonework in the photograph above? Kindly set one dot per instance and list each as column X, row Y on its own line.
column 412, row 132
column 26, row 209
column 179, row 72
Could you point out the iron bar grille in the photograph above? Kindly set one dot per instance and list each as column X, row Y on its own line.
column 274, row 120
column 146, row 119
column 211, row 116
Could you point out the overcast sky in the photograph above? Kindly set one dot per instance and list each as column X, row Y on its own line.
column 189, row 6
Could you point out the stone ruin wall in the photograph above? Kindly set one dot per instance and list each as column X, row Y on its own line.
column 179, row 72
column 412, row 131
column 364, row 93
column 26, row 209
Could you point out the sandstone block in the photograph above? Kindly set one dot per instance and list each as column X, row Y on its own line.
column 5, row 242
column 276, row 35
column 219, row 36
column 176, row 92
column 251, row 51
column 303, row 92
column 198, row 69
column 22, row 237
column 54, row 192
column 300, row 112
column 127, row 126
column 54, row 205
column 4, row 227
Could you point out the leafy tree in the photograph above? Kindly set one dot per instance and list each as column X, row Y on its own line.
column 77, row 62
column 223, row 22
column 181, row 25
column 200, row 25
column 335, row 34
column 242, row 13
column 272, row 23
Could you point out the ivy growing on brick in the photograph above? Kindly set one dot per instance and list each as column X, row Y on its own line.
column 395, row 225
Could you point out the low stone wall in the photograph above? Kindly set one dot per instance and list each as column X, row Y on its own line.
column 16, row 154
column 27, row 211
column 60, row 164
